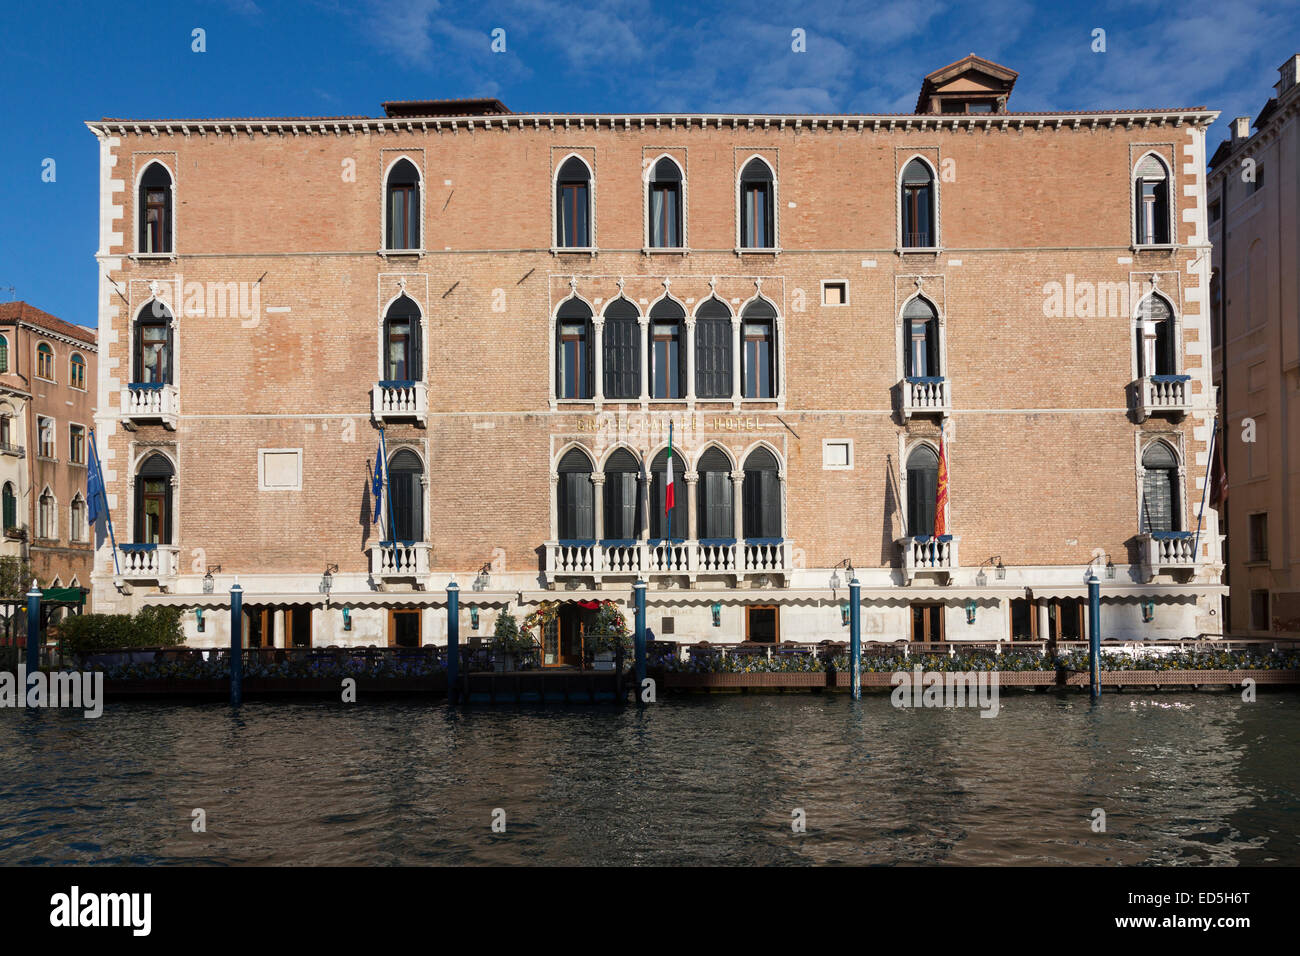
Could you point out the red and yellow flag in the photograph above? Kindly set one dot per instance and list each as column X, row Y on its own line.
column 941, row 493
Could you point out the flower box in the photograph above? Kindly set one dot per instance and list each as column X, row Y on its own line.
column 762, row 679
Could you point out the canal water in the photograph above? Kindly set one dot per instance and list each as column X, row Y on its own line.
column 1195, row 778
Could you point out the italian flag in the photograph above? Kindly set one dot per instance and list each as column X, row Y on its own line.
column 668, row 483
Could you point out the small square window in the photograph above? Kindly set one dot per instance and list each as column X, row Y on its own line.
column 835, row 293
column 837, row 454
column 279, row 469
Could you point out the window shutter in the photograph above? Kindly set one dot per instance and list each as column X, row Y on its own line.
column 771, row 486
column 713, row 358
column 752, row 498
column 1158, row 500
column 584, row 519
column 416, row 371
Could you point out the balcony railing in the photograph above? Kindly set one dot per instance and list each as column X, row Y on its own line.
column 399, row 560
column 630, row 559
column 147, row 563
column 1163, row 394
column 146, row 403
column 926, row 395
column 1168, row 551
column 400, row 401
column 926, row 554
column 8, row 448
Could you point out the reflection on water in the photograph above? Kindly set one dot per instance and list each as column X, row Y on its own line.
column 1186, row 778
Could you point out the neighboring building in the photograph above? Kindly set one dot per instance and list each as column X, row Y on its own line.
column 48, row 369
column 1254, row 203
column 527, row 301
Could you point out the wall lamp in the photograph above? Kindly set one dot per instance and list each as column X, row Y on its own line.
column 483, row 580
column 717, row 614
column 845, row 611
column 473, row 616
column 970, row 612
column 1148, row 611
column 327, row 579
column 207, row 578
column 847, row 564
column 199, row 613
column 347, row 619
column 999, row 572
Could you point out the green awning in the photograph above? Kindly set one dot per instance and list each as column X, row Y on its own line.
column 63, row 594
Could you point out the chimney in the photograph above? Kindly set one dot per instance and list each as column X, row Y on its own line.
column 1240, row 129
column 1288, row 72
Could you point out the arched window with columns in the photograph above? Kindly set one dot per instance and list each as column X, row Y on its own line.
column 1161, row 502
column 406, row 486
column 659, row 498
column 622, row 497
column 762, row 496
column 715, row 510
column 622, row 351
column 575, row 511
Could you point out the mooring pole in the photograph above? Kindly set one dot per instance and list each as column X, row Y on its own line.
column 639, row 639
column 1094, row 632
column 855, row 638
column 33, row 632
column 453, row 640
column 236, row 645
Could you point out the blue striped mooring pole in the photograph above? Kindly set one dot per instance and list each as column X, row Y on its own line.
column 453, row 639
column 236, row 644
column 1094, row 632
column 855, row 638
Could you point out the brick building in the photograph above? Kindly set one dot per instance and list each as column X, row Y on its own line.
column 48, row 369
column 527, row 302
column 1254, row 212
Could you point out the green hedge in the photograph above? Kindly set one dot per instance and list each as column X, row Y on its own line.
column 150, row 627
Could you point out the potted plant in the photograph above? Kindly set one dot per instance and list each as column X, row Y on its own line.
column 609, row 632
column 508, row 644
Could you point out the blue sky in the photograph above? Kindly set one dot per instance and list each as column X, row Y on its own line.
column 65, row 63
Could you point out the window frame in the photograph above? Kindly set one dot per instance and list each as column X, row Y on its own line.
column 772, row 206
column 45, row 517
column 699, row 323
column 141, row 211
column 77, row 369
column 53, row 445
column 414, row 340
column 416, row 209
column 558, row 186
column 44, row 349
column 165, row 322
column 652, row 182
column 1141, row 239
column 73, row 459
column 1177, row 506
column 901, row 192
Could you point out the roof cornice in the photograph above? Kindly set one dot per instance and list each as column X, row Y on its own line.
column 888, row 122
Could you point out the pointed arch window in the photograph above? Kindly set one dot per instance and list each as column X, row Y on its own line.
column 155, row 205
column 758, row 335
column 919, row 225
column 1151, row 196
column 573, row 350
column 921, row 340
column 46, row 516
column 575, row 513
column 153, row 501
column 922, row 486
column 715, row 519
column 1161, row 507
column 403, row 359
column 622, row 496
column 757, row 206
column 10, row 506
column 659, row 498
column 152, row 352
column 667, row 350
column 713, row 363
column 406, row 485
column 762, row 496
column 77, row 530
column 622, row 345
column 1155, row 338
column 573, row 205
column 402, row 207
column 666, row 205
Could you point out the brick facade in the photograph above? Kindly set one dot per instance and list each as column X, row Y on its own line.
column 1043, row 447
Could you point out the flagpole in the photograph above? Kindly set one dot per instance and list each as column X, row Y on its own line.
column 103, row 494
column 392, row 527
column 1209, row 476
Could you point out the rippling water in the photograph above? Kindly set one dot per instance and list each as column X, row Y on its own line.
column 1188, row 778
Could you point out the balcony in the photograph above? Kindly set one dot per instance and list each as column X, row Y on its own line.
column 400, row 402
column 925, row 554
column 926, row 395
column 149, row 403
column 8, row 448
column 1168, row 552
column 147, row 564
column 395, row 561
column 1162, row 395
column 628, row 560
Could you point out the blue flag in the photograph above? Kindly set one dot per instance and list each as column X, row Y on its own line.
column 377, row 485
column 94, row 488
